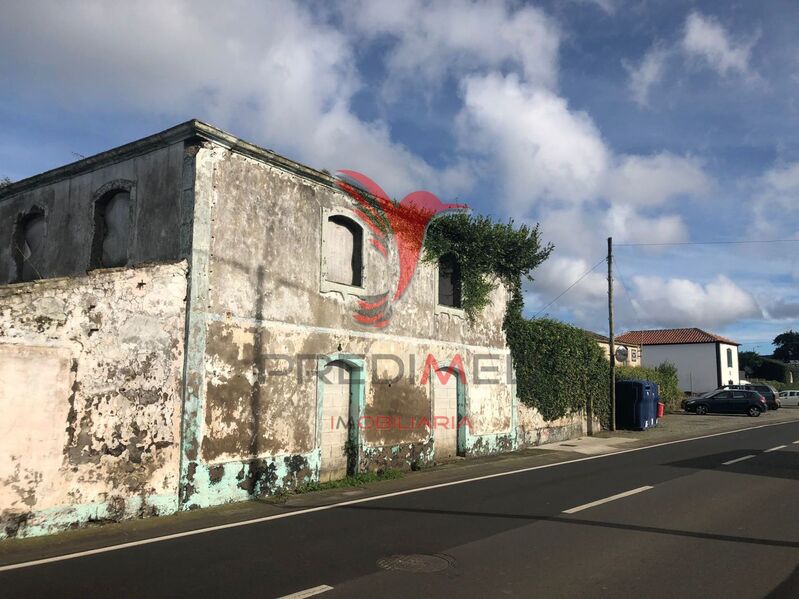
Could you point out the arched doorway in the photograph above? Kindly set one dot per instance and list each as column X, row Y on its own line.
column 449, row 402
column 341, row 389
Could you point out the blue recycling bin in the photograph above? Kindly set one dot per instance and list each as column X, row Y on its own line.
column 636, row 405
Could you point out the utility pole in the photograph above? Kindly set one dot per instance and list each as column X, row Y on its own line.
column 610, row 336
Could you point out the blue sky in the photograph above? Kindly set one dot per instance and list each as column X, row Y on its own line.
column 649, row 121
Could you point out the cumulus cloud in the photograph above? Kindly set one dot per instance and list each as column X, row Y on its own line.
column 683, row 303
column 270, row 69
column 542, row 149
column 652, row 180
column 702, row 40
column 775, row 210
column 452, row 37
column 629, row 226
column 707, row 40
column 783, row 310
column 648, row 73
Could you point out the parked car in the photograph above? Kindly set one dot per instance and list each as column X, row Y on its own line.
column 789, row 398
column 767, row 391
column 727, row 401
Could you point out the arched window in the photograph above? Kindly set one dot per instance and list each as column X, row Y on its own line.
column 449, row 282
column 344, row 251
column 729, row 358
column 28, row 250
column 111, row 229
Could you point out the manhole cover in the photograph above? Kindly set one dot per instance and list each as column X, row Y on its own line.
column 416, row 562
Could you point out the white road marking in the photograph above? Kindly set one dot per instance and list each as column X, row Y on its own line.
column 322, row 588
column 746, row 457
column 585, row 506
column 199, row 531
column 776, row 448
column 796, row 442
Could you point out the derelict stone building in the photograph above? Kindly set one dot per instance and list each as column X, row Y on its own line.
column 177, row 331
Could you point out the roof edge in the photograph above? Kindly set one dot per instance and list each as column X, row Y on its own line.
column 193, row 128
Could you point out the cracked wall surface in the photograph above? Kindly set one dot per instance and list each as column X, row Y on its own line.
column 267, row 317
column 90, row 392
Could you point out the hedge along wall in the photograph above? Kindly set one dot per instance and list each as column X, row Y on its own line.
column 559, row 369
column 664, row 375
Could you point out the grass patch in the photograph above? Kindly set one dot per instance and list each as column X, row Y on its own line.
column 358, row 480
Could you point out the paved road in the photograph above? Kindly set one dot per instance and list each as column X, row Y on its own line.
column 712, row 517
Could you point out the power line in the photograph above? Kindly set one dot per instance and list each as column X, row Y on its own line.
column 582, row 276
column 736, row 242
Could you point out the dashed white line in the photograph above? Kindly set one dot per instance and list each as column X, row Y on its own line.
column 322, row 588
column 585, row 506
column 796, row 442
column 776, row 448
column 746, row 457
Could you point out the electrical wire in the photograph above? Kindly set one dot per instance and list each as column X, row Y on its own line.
column 562, row 293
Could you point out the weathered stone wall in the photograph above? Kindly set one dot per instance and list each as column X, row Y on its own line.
column 90, row 396
column 260, row 264
column 533, row 429
column 157, row 214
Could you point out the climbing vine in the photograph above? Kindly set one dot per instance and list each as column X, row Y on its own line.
column 487, row 252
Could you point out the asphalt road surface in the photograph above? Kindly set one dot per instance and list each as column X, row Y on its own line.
column 713, row 517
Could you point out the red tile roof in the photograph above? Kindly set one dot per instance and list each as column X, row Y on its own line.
column 672, row 337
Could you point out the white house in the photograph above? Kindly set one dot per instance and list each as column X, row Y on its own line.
column 704, row 361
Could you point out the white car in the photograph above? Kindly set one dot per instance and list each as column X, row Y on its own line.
column 789, row 398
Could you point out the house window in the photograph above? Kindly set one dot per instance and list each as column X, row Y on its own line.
column 28, row 247
column 111, row 230
column 344, row 251
column 449, row 282
column 634, row 355
column 729, row 358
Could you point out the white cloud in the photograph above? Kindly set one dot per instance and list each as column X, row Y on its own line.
column 685, row 303
column 268, row 69
column 706, row 39
column 648, row 73
column 542, row 149
column 775, row 210
column 452, row 37
column 652, row 180
column 628, row 226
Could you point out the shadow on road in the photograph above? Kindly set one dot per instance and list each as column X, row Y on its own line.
column 777, row 464
column 788, row 588
column 577, row 522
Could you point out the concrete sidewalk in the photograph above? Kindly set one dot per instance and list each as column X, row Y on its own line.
column 672, row 428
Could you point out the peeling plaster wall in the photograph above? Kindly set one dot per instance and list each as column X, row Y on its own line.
column 533, row 429
column 258, row 292
column 90, row 392
column 68, row 205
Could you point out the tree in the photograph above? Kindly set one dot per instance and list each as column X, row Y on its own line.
column 4, row 181
column 749, row 361
column 787, row 345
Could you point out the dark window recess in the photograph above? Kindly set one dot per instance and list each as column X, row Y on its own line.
column 449, row 282
column 729, row 358
column 344, row 246
column 111, row 230
column 29, row 246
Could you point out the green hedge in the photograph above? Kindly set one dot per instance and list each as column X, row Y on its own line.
column 664, row 375
column 558, row 368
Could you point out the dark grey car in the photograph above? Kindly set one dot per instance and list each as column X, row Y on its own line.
column 727, row 401
column 767, row 391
